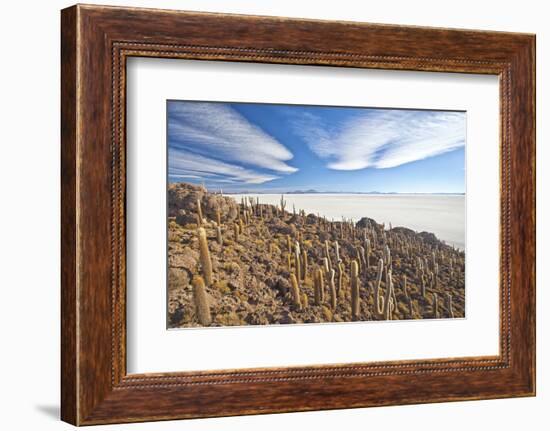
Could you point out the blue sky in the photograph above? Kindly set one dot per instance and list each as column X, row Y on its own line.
column 280, row 148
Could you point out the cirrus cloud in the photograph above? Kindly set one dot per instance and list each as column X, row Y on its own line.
column 383, row 138
column 215, row 142
column 186, row 165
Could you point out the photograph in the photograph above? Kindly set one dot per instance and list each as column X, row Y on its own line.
column 329, row 209
column 297, row 214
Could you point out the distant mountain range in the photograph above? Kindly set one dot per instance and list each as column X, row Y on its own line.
column 313, row 191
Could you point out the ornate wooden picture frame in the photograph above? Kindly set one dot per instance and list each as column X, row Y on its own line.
column 96, row 41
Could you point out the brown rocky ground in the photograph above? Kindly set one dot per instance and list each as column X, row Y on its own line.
column 252, row 277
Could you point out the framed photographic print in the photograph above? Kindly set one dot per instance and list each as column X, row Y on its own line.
column 324, row 214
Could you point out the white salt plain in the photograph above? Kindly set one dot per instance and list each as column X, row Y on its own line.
column 443, row 215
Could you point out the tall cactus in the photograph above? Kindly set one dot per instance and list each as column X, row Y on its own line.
column 305, row 302
column 332, row 290
column 297, row 266
column 377, row 299
column 419, row 267
column 289, row 261
column 358, row 258
column 387, row 256
column 423, row 286
column 206, row 263
column 304, row 264
column 202, row 308
column 236, row 229
column 410, row 305
column 199, row 212
column 355, row 299
column 318, row 286
column 367, row 253
column 450, row 305
column 361, row 256
column 388, row 297
column 327, row 254
column 436, row 305
column 326, row 266
column 241, row 225
column 295, row 292
column 341, row 269
column 219, row 235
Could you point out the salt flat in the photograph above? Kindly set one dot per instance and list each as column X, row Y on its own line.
column 443, row 215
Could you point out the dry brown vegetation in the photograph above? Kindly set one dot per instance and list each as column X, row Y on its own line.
column 250, row 263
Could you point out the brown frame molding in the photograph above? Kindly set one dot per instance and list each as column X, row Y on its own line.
column 95, row 42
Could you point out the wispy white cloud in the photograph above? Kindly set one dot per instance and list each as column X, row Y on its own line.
column 216, row 130
column 184, row 164
column 383, row 138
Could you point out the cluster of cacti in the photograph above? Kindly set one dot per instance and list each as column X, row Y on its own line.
column 355, row 272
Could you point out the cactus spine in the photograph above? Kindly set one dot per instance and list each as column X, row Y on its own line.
column 355, row 300
column 202, row 308
column 206, row 263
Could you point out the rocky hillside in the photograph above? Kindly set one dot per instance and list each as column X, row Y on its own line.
column 248, row 263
